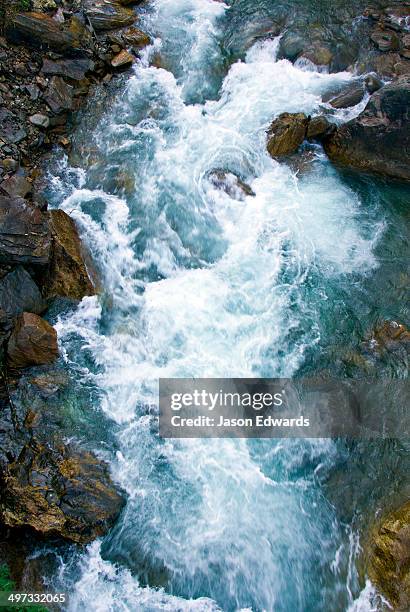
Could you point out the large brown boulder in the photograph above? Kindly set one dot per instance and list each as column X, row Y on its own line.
column 388, row 557
column 67, row 274
column 24, row 233
column 108, row 14
column 33, row 341
column 378, row 140
column 39, row 30
column 287, row 133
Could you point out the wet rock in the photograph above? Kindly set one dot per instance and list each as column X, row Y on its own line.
column 372, row 83
column 388, row 336
column 230, row 183
column 388, row 557
column 351, row 96
column 123, row 58
column 33, row 341
column 108, row 15
column 376, row 140
column 59, row 95
column 291, row 46
column 386, row 40
column 40, row 120
column 24, row 233
column 40, row 30
column 133, row 37
column 320, row 56
column 287, row 133
column 16, row 186
column 19, row 293
column 67, row 274
column 70, row 68
column 319, row 127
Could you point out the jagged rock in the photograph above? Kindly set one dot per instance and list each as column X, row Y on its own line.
column 39, row 30
column 40, row 120
column 108, row 15
column 230, row 183
column 388, row 557
column 16, row 186
column 51, row 486
column 286, row 133
column 372, row 83
column 133, row 37
column 388, row 336
column 376, row 140
column 351, row 96
column 33, row 341
column 70, row 68
column 386, row 40
column 24, row 233
column 19, row 293
column 319, row 127
column 59, row 95
column 67, row 274
column 123, row 58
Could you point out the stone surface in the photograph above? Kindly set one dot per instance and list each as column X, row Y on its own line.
column 388, row 557
column 32, row 342
column 123, row 58
column 319, row 127
column 71, row 68
column 19, row 293
column 40, row 120
column 59, row 95
column 386, row 40
column 108, row 15
column 40, row 30
column 67, row 274
column 351, row 96
column 286, row 133
column 24, row 233
column 133, row 37
column 377, row 140
column 16, row 186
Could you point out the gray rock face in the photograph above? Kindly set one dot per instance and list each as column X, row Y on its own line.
column 378, row 140
column 59, row 95
column 24, row 233
column 19, row 293
column 40, row 120
column 71, row 68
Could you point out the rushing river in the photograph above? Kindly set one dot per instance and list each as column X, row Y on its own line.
column 197, row 283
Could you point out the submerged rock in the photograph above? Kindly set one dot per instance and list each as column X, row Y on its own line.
column 388, row 557
column 33, row 341
column 24, row 233
column 378, row 139
column 287, row 133
column 40, row 30
column 67, row 274
column 108, row 15
column 231, row 184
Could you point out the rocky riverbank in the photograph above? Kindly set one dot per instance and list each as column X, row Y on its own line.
column 52, row 55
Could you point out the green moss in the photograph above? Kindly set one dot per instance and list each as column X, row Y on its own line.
column 7, row 584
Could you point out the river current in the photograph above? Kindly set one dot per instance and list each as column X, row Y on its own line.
column 200, row 283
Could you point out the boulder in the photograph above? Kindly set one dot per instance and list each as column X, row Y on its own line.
column 33, row 341
column 133, row 37
column 351, row 96
column 386, row 40
column 388, row 557
column 230, row 183
column 16, row 186
column 319, row 127
column 108, row 15
column 377, row 140
column 59, row 95
column 74, row 69
column 123, row 58
column 40, row 120
column 287, row 133
column 67, row 274
column 39, row 30
column 19, row 293
column 43, row 5
column 24, row 233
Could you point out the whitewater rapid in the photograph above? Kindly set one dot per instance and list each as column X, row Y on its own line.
column 199, row 284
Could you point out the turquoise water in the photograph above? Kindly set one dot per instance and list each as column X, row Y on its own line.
column 197, row 283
